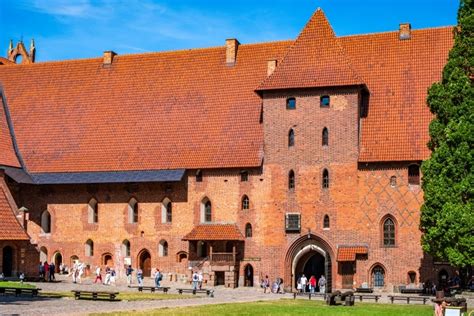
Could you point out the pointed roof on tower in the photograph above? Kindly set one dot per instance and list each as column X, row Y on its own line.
column 316, row 59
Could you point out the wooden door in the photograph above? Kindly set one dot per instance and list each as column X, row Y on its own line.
column 347, row 272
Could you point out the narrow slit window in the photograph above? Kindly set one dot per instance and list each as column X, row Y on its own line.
column 291, row 180
column 325, row 137
column 325, row 179
column 291, row 138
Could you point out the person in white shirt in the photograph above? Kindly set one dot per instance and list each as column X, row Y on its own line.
column 303, row 281
column 200, row 278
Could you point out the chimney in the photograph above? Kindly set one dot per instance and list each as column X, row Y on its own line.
column 404, row 31
column 231, row 46
column 271, row 66
column 109, row 57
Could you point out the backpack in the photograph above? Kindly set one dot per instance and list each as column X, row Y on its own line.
column 195, row 277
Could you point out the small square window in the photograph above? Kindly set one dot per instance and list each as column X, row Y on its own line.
column 291, row 103
column 244, row 176
column 324, row 101
column 293, row 222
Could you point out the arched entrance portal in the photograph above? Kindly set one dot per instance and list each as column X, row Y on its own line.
column 7, row 261
column 144, row 262
column 310, row 255
column 248, row 275
column 58, row 260
column 107, row 260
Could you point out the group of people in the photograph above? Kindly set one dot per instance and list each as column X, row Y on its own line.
column 303, row 284
column 276, row 287
column 46, row 271
column 157, row 275
column 77, row 272
column 109, row 275
column 197, row 280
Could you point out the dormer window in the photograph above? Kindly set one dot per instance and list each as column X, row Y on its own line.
column 291, row 103
column 324, row 101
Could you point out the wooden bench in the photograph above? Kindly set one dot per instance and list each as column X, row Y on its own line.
column 309, row 294
column 19, row 291
column 411, row 291
column 408, row 298
column 152, row 289
column 95, row 295
column 368, row 297
column 208, row 292
column 364, row 290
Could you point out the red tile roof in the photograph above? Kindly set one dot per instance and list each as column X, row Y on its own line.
column 188, row 109
column 316, row 59
column 215, row 232
column 348, row 253
column 398, row 74
column 170, row 110
column 7, row 152
column 10, row 228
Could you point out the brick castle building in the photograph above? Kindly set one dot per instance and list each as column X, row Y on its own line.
column 241, row 161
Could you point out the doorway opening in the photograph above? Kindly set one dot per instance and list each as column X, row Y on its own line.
column 58, row 260
column 144, row 260
column 248, row 274
column 220, row 278
column 7, row 261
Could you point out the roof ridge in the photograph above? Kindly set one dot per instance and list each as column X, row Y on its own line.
column 396, row 31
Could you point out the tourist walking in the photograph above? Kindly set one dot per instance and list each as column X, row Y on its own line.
column 158, row 277
column 195, row 280
column 112, row 276
column 98, row 275
column 303, row 281
column 200, row 278
column 80, row 272
column 107, row 275
column 52, row 269
column 46, row 271
column 41, row 270
column 312, row 284
column 129, row 272
column 140, row 277
column 266, row 284
column 322, row 284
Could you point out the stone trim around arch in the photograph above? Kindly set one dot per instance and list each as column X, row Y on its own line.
column 303, row 245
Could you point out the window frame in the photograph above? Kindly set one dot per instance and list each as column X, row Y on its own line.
column 288, row 101
column 291, row 180
column 414, row 178
column 248, row 230
column 389, row 237
column 322, row 103
column 244, row 176
column 325, row 179
column 326, row 222
column 325, row 137
column 291, row 138
column 290, row 219
column 378, row 276
column 198, row 175
column 208, row 212
column 245, row 203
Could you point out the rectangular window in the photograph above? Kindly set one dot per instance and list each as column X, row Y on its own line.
column 291, row 103
column 324, row 101
column 244, row 176
column 293, row 222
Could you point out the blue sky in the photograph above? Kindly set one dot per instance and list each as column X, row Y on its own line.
column 67, row 29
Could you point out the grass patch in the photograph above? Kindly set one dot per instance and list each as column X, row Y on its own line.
column 125, row 296
column 290, row 307
column 16, row 285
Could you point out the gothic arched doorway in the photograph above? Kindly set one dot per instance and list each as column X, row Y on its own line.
column 7, row 261
column 248, row 275
column 107, row 260
column 309, row 255
column 144, row 262
column 58, row 260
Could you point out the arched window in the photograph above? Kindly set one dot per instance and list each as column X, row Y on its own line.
column 325, row 137
column 389, row 233
column 245, row 202
column 378, row 276
column 163, row 248
column 291, row 138
column 291, row 180
column 46, row 222
column 89, row 248
column 412, row 277
column 199, row 176
column 92, row 211
column 326, row 221
column 43, row 254
column 166, row 211
column 206, row 210
column 414, row 174
column 291, row 103
column 126, row 248
column 248, row 230
column 325, row 179
column 393, row 181
column 324, row 101
column 133, row 211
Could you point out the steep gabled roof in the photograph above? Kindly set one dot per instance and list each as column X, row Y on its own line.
column 171, row 110
column 398, row 74
column 7, row 152
column 10, row 228
column 316, row 59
